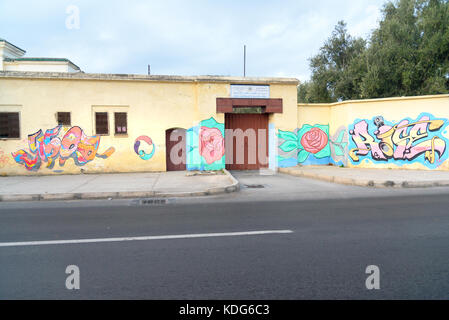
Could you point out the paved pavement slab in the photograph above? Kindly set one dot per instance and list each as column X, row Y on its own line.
column 120, row 185
column 397, row 178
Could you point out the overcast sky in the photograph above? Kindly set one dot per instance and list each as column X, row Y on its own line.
column 189, row 37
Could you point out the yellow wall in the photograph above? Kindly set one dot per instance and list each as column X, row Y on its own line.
column 316, row 114
column 288, row 118
column 391, row 109
column 152, row 107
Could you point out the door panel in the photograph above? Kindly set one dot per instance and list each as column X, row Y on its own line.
column 259, row 152
column 178, row 162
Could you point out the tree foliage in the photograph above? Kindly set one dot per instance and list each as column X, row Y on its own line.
column 408, row 54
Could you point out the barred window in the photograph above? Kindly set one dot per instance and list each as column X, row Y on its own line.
column 121, row 126
column 9, row 125
column 64, row 118
column 101, row 123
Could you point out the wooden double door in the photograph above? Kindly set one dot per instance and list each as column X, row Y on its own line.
column 254, row 156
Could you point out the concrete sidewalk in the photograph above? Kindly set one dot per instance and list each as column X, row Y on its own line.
column 380, row 178
column 119, row 185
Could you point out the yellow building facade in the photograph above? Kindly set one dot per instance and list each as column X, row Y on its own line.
column 151, row 105
column 71, row 123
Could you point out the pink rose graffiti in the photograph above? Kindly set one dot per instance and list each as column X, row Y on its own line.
column 314, row 140
column 211, row 144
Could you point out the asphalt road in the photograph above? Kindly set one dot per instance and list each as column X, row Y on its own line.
column 324, row 257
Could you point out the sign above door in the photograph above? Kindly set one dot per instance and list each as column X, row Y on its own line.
column 255, row 91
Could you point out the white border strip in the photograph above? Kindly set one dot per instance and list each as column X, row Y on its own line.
column 166, row 237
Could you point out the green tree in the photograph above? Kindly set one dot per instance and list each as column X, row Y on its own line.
column 434, row 49
column 331, row 79
column 408, row 54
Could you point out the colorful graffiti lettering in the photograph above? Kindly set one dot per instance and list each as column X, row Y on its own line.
column 205, row 146
column 402, row 142
column 48, row 147
column 141, row 153
column 311, row 145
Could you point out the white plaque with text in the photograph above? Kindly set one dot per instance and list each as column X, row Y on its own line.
column 250, row 91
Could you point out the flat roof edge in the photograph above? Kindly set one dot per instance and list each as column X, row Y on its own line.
column 32, row 60
column 430, row 96
column 12, row 45
column 138, row 77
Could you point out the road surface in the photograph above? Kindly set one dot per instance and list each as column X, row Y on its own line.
column 246, row 246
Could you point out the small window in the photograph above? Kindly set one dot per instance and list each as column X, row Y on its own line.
column 64, row 118
column 121, row 127
column 9, row 125
column 101, row 123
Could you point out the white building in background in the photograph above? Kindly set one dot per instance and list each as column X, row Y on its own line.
column 12, row 59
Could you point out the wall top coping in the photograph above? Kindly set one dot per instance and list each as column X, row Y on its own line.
column 139, row 77
column 435, row 96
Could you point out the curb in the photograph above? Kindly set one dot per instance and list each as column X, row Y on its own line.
column 364, row 182
column 235, row 184
column 233, row 187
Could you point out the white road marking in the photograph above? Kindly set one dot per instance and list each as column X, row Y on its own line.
column 177, row 236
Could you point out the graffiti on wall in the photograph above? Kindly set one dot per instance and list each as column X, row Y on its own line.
column 313, row 142
column 205, row 146
column 311, row 145
column 406, row 141
column 48, row 147
column 140, row 152
column 339, row 143
column 211, row 144
column 287, row 148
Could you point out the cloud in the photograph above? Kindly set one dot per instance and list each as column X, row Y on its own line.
column 271, row 30
column 184, row 37
column 363, row 26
